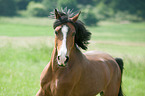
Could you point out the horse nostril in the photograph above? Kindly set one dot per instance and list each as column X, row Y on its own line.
column 58, row 57
column 67, row 58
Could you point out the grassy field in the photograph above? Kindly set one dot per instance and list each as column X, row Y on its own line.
column 26, row 45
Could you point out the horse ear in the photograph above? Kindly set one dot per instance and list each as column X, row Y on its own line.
column 75, row 18
column 57, row 15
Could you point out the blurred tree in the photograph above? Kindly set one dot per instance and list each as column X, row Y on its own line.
column 36, row 9
column 103, row 8
column 37, row 0
column 86, row 2
column 50, row 5
column 88, row 16
column 70, row 4
column 7, row 7
column 133, row 7
column 90, row 19
column 136, row 7
column 22, row 4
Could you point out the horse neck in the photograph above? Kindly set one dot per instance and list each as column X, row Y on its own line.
column 53, row 60
column 75, row 55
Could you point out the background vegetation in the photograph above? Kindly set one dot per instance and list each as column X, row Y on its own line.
column 27, row 40
column 114, row 10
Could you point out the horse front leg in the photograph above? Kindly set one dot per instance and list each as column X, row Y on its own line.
column 40, row 92
column 64, row 90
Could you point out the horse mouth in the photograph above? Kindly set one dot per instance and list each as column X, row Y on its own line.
column 62, row 65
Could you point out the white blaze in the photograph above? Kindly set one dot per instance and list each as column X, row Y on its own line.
column 63, row 50
column 56, row 83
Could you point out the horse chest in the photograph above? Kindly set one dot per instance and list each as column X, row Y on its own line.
column 61, row 84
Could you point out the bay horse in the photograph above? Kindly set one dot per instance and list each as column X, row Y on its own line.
column 73, row 73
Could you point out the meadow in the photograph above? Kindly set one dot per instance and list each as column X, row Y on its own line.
column 26, row 45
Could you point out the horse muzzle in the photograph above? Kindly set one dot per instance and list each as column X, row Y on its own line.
column 62, row 60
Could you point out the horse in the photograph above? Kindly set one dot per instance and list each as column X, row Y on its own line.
column 73, row 73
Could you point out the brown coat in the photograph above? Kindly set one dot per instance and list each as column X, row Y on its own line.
column 86, row 75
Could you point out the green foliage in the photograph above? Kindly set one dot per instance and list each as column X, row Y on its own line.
column 135, row 7
column 89, row 18
column 70, row 4
column 36, row 9
column 86, row 2
column 7, row 7
column 50, row 5
column 22, row 4
column 125, row 16
column 103, row 11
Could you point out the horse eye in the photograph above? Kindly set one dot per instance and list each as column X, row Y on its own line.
column 73, row 34
column 56, row 32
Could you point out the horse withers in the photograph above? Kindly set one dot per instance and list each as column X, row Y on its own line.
column 73, row 73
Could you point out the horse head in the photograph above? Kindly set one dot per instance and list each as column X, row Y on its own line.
column 64, row 36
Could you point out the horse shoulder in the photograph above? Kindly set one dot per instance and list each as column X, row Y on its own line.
column 106, row 61
column 46, row 75
column 100, row 61
column 98, row 56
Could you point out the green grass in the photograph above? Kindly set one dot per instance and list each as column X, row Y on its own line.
column 133, row 32
column 26, row 26
column 20, row 69
column 28, row 44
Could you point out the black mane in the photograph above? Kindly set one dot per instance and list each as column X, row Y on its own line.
column 82, row 34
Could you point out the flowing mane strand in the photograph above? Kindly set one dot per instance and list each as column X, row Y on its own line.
column 82, row 34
